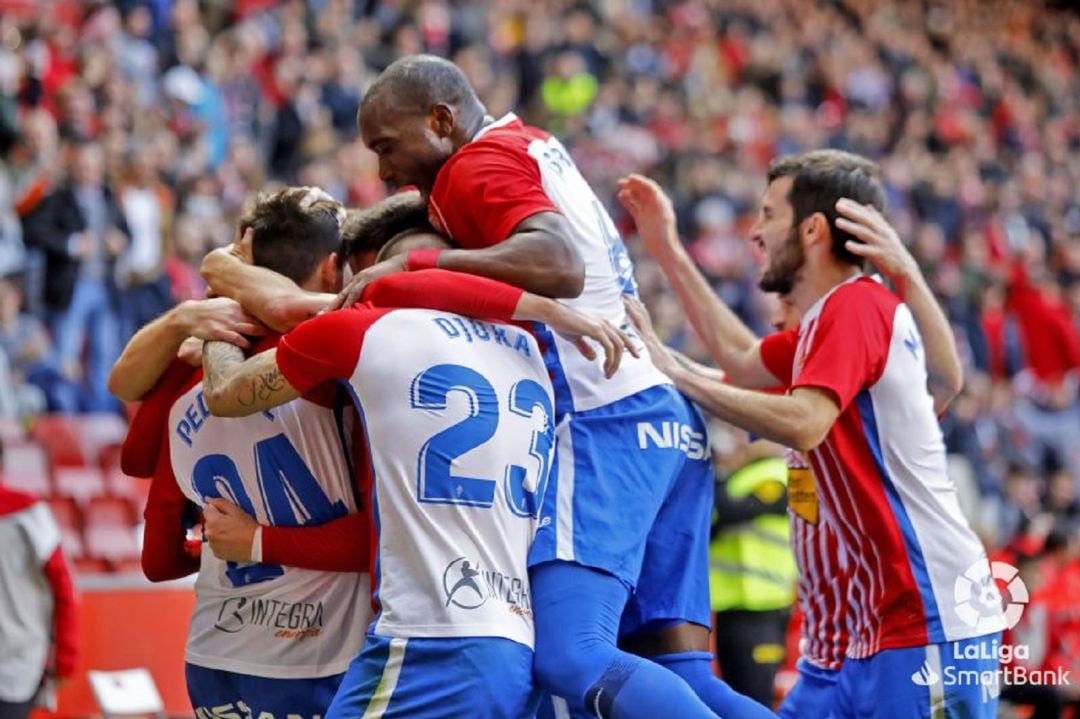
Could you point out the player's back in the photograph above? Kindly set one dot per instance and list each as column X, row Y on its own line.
column 287, row 467
column 609, row 271
column 458, row 415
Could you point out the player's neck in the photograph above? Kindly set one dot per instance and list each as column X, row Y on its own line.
column 482, row 122
column 815, row 283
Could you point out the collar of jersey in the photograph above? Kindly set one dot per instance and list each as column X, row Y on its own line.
column 501, row 122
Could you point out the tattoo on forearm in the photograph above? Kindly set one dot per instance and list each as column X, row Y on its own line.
column 250, row 384
column 269, row 382
column 218, row 359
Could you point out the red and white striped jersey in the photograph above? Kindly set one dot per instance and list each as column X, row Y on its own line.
column 824, row 570
column 881, row 470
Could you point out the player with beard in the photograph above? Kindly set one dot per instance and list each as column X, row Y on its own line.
column 824, row 569
column 855, row 370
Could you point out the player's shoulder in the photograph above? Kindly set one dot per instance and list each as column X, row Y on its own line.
column 13, row 501
column 508, row 136
column 865, row 295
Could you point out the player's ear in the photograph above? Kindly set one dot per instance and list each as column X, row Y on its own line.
column 330, row 271
column 815, row 228
column 441, row 119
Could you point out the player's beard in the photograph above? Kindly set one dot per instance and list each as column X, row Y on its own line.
column 784, row 265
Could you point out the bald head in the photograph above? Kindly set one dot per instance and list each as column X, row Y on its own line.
column 415, row 116
column 418, row 82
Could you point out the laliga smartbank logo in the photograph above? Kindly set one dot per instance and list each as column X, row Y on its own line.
column 980, row 602
column 983, row 594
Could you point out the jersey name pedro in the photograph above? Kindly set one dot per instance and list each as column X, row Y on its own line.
column 288, row 467
column 459, row 420
column 511, row 171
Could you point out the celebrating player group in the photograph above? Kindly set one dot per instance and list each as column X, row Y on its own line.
column 443, row 466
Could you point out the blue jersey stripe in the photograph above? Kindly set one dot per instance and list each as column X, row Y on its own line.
column 936, row 633
column 564, row 400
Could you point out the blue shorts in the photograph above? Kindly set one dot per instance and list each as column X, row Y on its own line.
column 632, row 494
column 954, row 680
column 811, row 697
column 482, row 677
column 218, row 693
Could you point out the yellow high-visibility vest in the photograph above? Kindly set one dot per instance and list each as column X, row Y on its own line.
column 751, row 565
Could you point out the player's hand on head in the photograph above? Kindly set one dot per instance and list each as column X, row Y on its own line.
column 360, row 281
column 639, row 317
column 229, row 530
column 219, row 265
column 653, row 214
column 877, row 242
column 220, row 318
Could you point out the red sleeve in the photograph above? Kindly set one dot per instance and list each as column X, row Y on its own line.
column 163, row 553
column 485, row 190
column 340, row 545
column 326, row 347
column 139, row 454
column 447, row 291
column 849, row 342
column 778, row 353
column 65, row 615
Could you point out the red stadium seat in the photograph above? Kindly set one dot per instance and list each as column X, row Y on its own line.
column 80, row 483
column 61, row 437
column 132, row 565
column 99, row 432
column 89, row 565
column 111, row 543
column 134, row 489
column 109, row 511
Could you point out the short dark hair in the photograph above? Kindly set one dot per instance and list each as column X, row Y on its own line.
column 822, row 177
column 291, row 239
column 369, row 229
column 420, row 81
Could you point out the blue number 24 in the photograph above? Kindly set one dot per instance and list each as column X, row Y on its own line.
column 436, row 482
column 289, row 491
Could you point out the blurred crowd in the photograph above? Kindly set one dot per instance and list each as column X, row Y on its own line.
column 133, row 132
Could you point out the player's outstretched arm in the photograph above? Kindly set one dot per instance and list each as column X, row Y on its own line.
column 152, row 348
column 577, row 327
column 274, row 299
column 800, row 420
column 882, row 246
column 235, row 387
column 729, row 341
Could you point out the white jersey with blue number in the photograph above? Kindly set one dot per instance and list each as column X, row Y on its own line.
column 289, row 467
column 459, row 419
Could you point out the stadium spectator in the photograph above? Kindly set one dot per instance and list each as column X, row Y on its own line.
column 147, row 206
column 82, row 230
